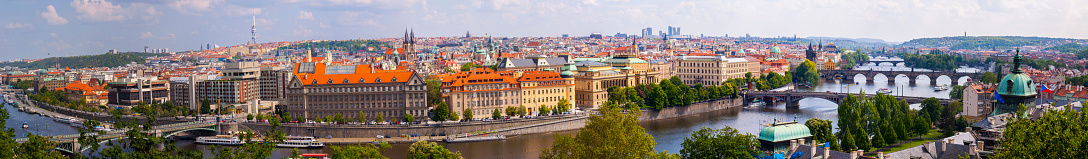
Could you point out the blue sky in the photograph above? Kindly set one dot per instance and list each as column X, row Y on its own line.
column 33, row 28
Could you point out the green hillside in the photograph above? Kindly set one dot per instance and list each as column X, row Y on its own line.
column 101, row 60
column 1068, row 47
column 982, row 42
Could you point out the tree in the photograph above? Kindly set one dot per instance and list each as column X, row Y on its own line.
column 286, row 116
column 496, row 114
column 440, row 112
column 467, row 114
column 339, row 118
column 511, row 111
column 249, row 117
column 847, row 143
column 205, row 106
column 380, row 118
column 599, row 138
column 468, row 66
column 543, row 110
column 260, row 116
column 933, row 107
column 563, row 105
column 359, row 151
column 1055, row 134
column 329, row 119
column 38, row 147
column 957, row 92
column 428, row 150
column 522, row 111
column 821, row 131
column 361, row 117
column 454, row 116
column 990, row 77
column 434, row 94
column 878, row 140
column 805, row 73
column 409, row 118
column 719, row 143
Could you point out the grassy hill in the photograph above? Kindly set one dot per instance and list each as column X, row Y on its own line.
column 101, row 60
column 984, row 42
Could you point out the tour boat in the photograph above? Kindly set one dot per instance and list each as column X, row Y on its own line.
column 312, row 156
column 884, row 91
column 220, row 140
column 940, row 88
column 301, row 142
column 25, row 125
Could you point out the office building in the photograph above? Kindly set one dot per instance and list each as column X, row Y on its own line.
column 318, row 89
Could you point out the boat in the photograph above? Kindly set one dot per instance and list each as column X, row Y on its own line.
column 884, row 91
column 25, row 125
column 475, row 139
column 301, row 142
column 312, row 156
column 757, row 103
column 227, row 140
column 940, row 88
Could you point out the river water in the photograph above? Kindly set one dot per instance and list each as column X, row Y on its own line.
column 668, row 133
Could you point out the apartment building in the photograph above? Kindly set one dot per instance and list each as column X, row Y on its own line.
column 481, row 91
column 623, row 69
column 131, row 90
column 712, row 70
column 545, row 88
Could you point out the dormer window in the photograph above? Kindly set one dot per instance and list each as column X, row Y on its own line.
column 377, row 80
column 315, row 82
column 361, row 80
column 394, row 79
column 330, row 81
column 345, row 80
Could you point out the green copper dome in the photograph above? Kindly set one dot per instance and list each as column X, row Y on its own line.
column 784, row 132
column 775, row 49
column 1016, row 83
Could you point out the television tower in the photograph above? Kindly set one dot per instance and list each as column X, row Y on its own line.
column 253, row 30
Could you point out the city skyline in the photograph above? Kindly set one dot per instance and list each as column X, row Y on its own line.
column 39, row 29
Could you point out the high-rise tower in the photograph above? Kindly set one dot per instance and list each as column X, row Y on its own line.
column 253, row 30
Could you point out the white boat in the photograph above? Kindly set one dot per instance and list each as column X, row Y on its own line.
column 301, row 142
column 220, row 140
column 757, row 103
column 940, row 88
column 25, row 125
column 884, row 91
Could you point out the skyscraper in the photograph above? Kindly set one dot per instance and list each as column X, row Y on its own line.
column 648, row 32
column 674, row 30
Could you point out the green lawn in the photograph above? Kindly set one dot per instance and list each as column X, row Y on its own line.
column 932, row 134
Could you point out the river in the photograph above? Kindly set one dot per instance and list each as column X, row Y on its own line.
column 668, row 133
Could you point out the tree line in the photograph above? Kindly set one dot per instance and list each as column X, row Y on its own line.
column 936, row 60
column 851, row 59
column 352, row 46
column 667, row 93
column 870, row 123
column 85, row 61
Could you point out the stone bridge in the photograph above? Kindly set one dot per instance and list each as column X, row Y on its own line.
column 911, row 75
column 70, row 143
column 793, row 99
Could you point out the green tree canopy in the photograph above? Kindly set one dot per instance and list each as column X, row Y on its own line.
column 719, row 143
column 600, row 137
column 429, row 150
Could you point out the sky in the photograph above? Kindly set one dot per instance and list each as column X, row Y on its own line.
column 31, row 29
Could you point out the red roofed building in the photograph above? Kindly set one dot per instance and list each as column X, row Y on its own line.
column 481, row 91
column 317, row 90
column 91, row 94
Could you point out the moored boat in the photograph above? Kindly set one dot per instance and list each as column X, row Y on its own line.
column 220, row 140
column 301, row 142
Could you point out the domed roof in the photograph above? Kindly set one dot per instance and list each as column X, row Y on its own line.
column 775, row 49
column 784, row 132
column 1016, row 83
column 566, row 74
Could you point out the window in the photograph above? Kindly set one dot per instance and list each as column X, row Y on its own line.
column 377, row 79
column 394, row 79
column 330, row 81
column 345, row 80
column 315, row 81
column 361, row 80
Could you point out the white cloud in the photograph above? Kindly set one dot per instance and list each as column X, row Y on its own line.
column 356, row 18
column 102, row 11
column 53, row 34
column 17, row 25
column 194, row 7
column 146, row 35
column 51, row 16
column 304, row 15
column 303, row 32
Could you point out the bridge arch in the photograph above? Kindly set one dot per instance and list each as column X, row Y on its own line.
column 172, row 133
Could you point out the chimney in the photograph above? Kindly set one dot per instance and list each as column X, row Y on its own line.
column 853, row 154
column 943, row 144
column 880, row 155
column 812, row 149
column 793, row 144
column 827, row 151
column 972, row 150
column 981, row 145
column 861, row 153
column 801, row 141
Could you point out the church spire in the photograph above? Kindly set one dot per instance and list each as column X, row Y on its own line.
column 1016, row 62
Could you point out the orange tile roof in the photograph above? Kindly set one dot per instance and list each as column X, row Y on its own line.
column 539, row 76
column 364, row 72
